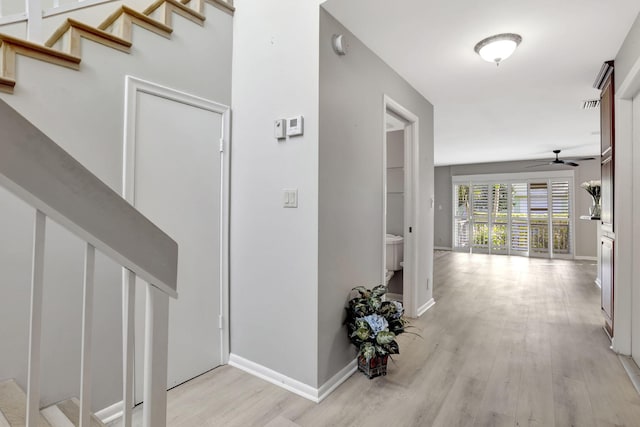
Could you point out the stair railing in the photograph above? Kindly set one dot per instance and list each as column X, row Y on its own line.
column 59, row 188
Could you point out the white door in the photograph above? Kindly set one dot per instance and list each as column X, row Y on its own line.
column 175, row 179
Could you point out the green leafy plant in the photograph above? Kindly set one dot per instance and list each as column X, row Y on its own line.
column 374, row 324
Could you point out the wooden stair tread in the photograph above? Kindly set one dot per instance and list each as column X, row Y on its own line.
column 7, row 85
column 159, row 27
column 99, row 33
column 222, row 4
column 44, row 50
column 13, row 404
column 179, row 8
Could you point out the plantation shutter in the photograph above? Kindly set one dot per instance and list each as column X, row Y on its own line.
column 461, row 216
column 519, row 218
column 538, row 217
column 499, row 217
column 480, row 216
column 560, row 219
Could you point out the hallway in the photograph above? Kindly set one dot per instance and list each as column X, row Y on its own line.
column 510, row 342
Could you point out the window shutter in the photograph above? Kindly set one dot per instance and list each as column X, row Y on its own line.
column 480, row 215
column 539, row 217
column 499, row 217
column 519, row 218
column 461, row 220
column 560, row 219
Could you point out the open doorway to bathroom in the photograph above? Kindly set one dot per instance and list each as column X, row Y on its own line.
column 394, row 236
column 400, row 152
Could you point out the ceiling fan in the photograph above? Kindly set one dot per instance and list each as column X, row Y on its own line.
column 559, row 162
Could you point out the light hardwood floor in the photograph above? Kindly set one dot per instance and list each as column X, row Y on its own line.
column 510, row 342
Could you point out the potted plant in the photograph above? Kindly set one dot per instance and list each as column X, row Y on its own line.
column 372, row 326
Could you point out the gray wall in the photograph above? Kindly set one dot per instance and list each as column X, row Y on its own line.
column 351, row 179
column 395, row 182
column 586, row 231
column 83, row 112
column 443, row 205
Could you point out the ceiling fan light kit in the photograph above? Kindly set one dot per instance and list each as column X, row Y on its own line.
column 498, row 48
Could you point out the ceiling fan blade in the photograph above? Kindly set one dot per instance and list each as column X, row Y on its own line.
column 571, row 164
column 537, row 165
column 578, row 159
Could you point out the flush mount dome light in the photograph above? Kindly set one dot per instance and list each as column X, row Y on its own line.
column 498, row 48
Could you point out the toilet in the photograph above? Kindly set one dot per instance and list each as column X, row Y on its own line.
column 394, row 255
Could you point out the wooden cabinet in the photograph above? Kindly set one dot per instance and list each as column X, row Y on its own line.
column 607, row 175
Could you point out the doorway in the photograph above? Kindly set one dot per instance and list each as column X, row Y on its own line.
column 400, row 183
column 176, row 174
column 394, row 236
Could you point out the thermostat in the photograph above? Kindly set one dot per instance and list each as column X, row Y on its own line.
column 295, row 126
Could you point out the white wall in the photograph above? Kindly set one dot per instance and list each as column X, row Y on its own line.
column 352, row 89
column 83, row 112
column 274, row 251
column 585, row 231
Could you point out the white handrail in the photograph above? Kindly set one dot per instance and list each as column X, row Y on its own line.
column 41, row 173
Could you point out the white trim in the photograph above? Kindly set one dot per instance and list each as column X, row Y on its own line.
column 412, row 214
column 301, row 389
column 597, row 282
column 334, row 382
column 509, row 177
column 585, row 258
column 423, row 309
column 442, row 248
column 632, row 370
column 626, row 272
column 72, row 6
column 133, row 85
column 110, row 413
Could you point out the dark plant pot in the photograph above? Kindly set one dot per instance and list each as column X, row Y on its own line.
column 377, row 366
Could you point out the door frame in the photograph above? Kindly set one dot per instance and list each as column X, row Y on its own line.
column 626, row 207
column 411, row 205
column 134, row 85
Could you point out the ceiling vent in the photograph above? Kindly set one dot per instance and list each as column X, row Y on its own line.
column 590, row 103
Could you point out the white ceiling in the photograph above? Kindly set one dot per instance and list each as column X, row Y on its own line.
column 523, row 109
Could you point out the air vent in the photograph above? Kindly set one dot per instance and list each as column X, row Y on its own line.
column 590, row 103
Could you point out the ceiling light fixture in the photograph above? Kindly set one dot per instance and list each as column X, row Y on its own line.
column 498, row 48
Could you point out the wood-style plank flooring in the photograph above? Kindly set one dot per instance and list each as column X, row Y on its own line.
column 510, row 342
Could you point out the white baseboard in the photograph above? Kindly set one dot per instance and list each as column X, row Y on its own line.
column 290, row 384
column 585, row 258
column 334, row 382
column 441, row 248
column 423, row 309
column 110, row 413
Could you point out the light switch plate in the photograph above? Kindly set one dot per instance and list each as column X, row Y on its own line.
column 290, row 199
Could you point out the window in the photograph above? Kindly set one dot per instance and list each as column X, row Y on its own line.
column 507, row 215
